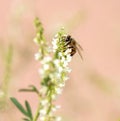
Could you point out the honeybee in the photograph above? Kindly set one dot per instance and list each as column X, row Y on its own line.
column 73, row 45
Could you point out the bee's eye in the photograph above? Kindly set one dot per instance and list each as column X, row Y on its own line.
column 68, row 38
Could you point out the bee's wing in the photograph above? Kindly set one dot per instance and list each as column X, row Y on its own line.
column 79, row 46
column 79, row 49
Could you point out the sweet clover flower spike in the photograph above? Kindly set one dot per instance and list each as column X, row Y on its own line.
column 54, row 72
column 40, row 41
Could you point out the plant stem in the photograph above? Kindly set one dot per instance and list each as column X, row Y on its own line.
column 37, row 113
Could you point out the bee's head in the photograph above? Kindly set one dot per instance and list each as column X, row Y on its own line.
column 68, row 38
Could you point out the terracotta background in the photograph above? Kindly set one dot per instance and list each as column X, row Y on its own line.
column 93, row 91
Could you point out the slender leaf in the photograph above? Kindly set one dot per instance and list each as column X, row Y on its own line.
column 19, row 106
column 28, row 110
column 34, row 88
column 25, row 119
column 31, row 88
column 26, row 90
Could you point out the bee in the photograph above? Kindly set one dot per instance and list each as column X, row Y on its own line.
column 73, row 45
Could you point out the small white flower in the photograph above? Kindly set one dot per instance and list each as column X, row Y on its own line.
column 43, row 90
column 58, row 75
column 37, row 56
column 41, row 71
column 56, row 62
column 56, row 36
column 46, row 59
column 45, row 67
column 60, row 54
column 44, row 102
column 54, row 43
column 43, row 111
column 42, row 118
column 63, row 59
column 65, row 78
column 58, row 106
column 35, row 40
column 58, row 118
column 65, row 64
column 61, row 85
column 53, row 96
column 54, row 108
column 69, row 58
column 60, row 69
column 67, row 52
column 68, row 69
column 58, row 90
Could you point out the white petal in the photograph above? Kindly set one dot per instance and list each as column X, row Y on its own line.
column 58, row 118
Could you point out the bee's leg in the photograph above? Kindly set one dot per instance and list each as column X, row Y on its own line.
column 71, row 47
column 73, row 51
column 67, row 43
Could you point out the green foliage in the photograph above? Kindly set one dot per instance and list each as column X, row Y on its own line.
column 27, row 112
column 31, row 88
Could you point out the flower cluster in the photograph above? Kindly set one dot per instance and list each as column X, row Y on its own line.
column 54, row 73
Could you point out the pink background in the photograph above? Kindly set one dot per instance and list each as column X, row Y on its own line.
column 93, row 91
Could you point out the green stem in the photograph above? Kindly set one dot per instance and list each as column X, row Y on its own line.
column 37, row 113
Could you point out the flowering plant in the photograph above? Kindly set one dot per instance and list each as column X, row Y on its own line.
column 53, row 72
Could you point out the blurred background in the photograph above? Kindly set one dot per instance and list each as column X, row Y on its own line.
column 93, row 91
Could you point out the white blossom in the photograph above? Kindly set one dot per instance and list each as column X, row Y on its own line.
column 44, row 102
column 41, row 71
column 53, row 96
column 46, row 60
column 58, row 118
column 54, row 43
column 60, row 69
column 43, row 112
column 61, row 85
column 37, row 56
column 43, row 90
column 45, row 67
column 54, row 108
column 58, row 90
column 42, row 118
column 56, row 62
column 69, row 58
column 35, row 40
column 58, row 106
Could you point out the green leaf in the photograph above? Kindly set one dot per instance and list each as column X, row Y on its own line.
column 31, row 88
column 28, row 110
column 25, row 119
column 26, row 90
column 19, row 106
